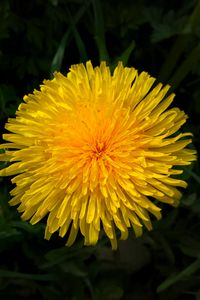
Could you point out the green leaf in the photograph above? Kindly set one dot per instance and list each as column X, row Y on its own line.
column 8, row 237
column 189, row 200
column 5, row 212
column 33, row 229
column 191, row 269
column 169, row 26
column 8, row 99
column 55, row 257
column 190, row 245
column 71, row 267
column 18, row 275
column 7, row 233
column 58, row 256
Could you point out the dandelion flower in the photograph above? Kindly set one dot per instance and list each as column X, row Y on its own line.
column 91, row 147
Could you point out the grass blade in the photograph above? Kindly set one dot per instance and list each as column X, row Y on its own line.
column 180, row 44
column 192, row 174
column 100, row 31
column 18, row 275
column 59, row 55
column 185, row 68
column 191, row 269
column 79, row 41
column 124, row 57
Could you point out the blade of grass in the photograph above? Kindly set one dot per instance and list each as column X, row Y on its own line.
column 185, row 68
column 191, row 269
column 124, row 57
column 194, row 175
column 79, row 41
column 39, row 277
column 179, row 45
column 90, row 288
column 100, row 31
column 58, row 57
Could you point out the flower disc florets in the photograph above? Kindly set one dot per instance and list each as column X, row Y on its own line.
column 89, row 149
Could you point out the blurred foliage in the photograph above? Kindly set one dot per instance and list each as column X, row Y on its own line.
column 161, row 37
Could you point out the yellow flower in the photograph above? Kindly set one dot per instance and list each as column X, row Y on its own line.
column 89, row 148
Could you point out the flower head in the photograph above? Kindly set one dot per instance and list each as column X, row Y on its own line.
column 89, row 148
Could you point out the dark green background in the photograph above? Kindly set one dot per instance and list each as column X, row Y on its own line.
column 160, row 37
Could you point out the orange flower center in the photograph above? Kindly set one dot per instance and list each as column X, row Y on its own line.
column 99, row 149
